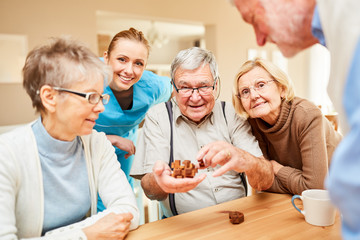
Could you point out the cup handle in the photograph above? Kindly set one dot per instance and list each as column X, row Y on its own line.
column 293, row 203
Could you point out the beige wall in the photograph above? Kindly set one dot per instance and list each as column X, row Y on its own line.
column 226, row 35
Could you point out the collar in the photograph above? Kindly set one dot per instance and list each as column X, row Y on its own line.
column 316, row 27
column 280, row 123
column 50, row 147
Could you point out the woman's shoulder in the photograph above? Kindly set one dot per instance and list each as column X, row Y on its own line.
column 306, row 115
column 153, row 80
column 94, row 136
column 17, row 147
column 160, row 110
column 303, row 106
column 154, row 87
column 18, row 134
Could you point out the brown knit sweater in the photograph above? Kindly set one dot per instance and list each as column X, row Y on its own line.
column 302, row 140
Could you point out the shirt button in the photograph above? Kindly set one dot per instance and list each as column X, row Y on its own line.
column 216, row 189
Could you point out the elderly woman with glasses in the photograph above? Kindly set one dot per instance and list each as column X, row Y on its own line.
column 52, row 169
column 292, row 132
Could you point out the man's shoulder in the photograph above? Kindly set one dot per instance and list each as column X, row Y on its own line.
column 227, row 109
column 158, row 110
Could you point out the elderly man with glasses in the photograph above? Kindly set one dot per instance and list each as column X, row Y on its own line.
column 191, row 121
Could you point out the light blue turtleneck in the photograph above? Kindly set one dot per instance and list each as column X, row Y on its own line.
column 65, row 179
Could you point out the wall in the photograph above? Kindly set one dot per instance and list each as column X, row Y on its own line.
column 226, row 35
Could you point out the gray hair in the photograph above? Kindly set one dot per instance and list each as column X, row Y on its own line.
column 61, row 63
column 193, row 58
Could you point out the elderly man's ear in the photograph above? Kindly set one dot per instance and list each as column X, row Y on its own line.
column 217, row 84
column 48, row 98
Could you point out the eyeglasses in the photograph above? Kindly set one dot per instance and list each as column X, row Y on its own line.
column 259, row 87
column 92, row 97
column 187, row 92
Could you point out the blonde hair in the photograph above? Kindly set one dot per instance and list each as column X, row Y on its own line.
column 131, row 34
column 281, row 79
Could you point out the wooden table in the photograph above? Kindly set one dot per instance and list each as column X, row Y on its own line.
column 267, row 216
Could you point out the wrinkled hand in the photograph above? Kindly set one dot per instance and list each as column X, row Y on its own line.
column 123, row 144
column 111, row 226
column 226, row 155
column 167, row 183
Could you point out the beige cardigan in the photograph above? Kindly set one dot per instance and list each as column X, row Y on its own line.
column 21, row 187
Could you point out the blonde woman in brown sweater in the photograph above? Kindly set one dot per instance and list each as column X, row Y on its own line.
column 292, row 132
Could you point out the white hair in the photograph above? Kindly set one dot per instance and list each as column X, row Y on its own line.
column 192, row 58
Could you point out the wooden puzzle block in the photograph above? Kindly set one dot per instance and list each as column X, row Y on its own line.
column 201, row 163
column 236, row 217
column 186, row 170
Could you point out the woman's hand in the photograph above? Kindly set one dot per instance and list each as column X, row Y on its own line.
column 123, row 144
column 169, row 184
column 111, row 226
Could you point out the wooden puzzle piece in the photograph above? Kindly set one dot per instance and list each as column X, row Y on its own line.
column 201, row 163
column 235, row 217
column 187, row 170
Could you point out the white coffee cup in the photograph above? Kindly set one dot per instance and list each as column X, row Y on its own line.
column 317, row 207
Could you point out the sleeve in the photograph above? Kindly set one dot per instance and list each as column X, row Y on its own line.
column 153, row 141
column 311, row 140
column 8, row 186
column 343, row 181
column 162, row 85
column 113, row 186
column 240, row 132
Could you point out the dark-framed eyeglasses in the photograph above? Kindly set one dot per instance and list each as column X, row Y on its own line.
column 259, row 87
column 187, row 92
column 92, row 97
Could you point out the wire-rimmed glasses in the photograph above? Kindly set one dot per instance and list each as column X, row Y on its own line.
column 259, row 87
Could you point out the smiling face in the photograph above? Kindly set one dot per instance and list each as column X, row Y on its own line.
column 264, row 105
column 73, row 115
column 284, row 23
column 128, row 59
column 196, row 106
